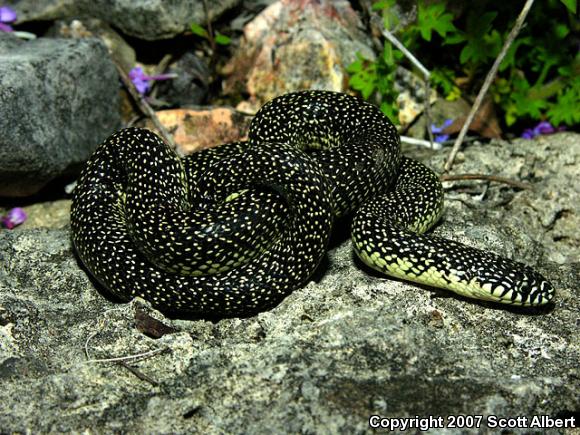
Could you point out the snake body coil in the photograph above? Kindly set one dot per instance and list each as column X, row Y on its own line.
column 234, row 229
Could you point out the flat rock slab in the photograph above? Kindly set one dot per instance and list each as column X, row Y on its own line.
column 348, row 345
column 332, row 354
column 58, row 99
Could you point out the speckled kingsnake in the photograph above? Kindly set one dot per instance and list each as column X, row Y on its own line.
column 234, row 229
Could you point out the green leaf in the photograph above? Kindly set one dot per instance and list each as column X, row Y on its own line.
column 455, row 38
column 524, row 104
column 356, row 66
column 561, row 31
column 434, row 18
column 571, row 5
column 391, row 110
column 443, row 78
column 510, row 114
column 502, row 86
column 364, row 86
column 566, row 108
column 565, row 70
column 198, row 30
column 510, row 57
column 479, row 50
column 363, row 76
column 383, row 4
column 493, row 43
column 482, row 42
column 388, row 53
column 545, row 60
column 518, row 102
column 478, row 25
column 222, row 39
column 467, row 53
column 390, row 15
column 444, row 25
column 391, row 56
column 385, row 82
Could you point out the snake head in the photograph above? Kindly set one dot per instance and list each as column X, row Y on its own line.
column 534, row 290
column 521, row 285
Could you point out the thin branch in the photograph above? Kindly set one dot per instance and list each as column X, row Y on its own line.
column 89, row 338
column 97, row 329
column 420, row 142
column 160, row 69
column 138, row 373
column 436, row 145
column 497, row 179
column 428, row 118
column 144, row 106
column 487, row 83
column 209, row 26
column 401, row 47
column 210, row 35
column 426, row 73
column 24, row 35
column 137, row 356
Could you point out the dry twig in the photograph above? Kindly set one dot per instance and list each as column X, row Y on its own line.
column 428, row 112
column 135, row 357
column 138, row 373
column 160, row 69
column 393, row 40
column 144, row 106
column 503, row 180
column 487, row 83
column 426, row 73
column 210, row 35
column 421, row 142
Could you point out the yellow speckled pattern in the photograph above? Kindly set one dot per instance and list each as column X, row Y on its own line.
column 232, row 230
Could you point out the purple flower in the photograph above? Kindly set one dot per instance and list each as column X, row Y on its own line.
column 528, row 133
column 436, row 130
column 141, row 80
column 543, row 127
column 13, row 218
column 7, row 15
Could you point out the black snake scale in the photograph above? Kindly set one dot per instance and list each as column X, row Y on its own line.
column 232, row 230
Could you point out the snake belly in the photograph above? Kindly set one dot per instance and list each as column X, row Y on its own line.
column 232, row 230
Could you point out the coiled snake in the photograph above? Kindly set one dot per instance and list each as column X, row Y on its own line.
column 234, row 229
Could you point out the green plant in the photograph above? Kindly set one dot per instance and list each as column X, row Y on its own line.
column 538, row 79
column 218, row 37
column 369, row 77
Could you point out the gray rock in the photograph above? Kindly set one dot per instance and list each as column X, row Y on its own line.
column 50, row 214
column 542, row 222
column 146, row 19
column 58, row 99
column 191, row 84
column 119, row 50
column 347, row 346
